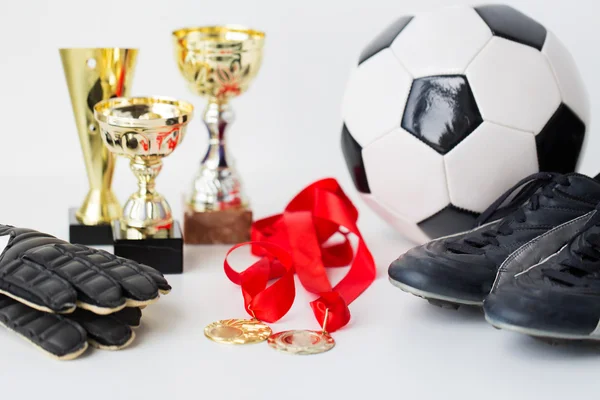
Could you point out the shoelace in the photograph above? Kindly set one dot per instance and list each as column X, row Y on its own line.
column 514, row 210
column 581, row 266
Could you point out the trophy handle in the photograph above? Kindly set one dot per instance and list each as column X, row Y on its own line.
column 217, row 185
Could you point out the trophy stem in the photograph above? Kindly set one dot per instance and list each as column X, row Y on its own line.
column 217, row 185
column 146, row 210
column 100, row 205
column 217, row 118
column 146, row 173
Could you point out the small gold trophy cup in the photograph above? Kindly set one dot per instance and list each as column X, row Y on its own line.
column 94, row 75
column 145, row 130
column 219, row 62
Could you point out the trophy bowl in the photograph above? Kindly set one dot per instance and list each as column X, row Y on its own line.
column 218, row 62
column 144, row 129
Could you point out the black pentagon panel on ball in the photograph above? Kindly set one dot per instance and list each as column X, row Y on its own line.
column 559, row 143
column 384, row 39
column 448, row 221
column 508, row 23
column 441, row 111
column 353, row 155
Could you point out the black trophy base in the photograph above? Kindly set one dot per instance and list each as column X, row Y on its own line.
column 88, row 234
column 164, row 254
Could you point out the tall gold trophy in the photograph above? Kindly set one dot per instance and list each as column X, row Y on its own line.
column 94, row 75
column 219, row 62
column 145, row 130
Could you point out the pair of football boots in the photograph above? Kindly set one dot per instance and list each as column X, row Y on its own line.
column 532, row 262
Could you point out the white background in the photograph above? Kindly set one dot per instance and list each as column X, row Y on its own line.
column 286, row 136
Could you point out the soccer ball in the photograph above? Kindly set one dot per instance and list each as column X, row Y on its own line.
column 447, row 110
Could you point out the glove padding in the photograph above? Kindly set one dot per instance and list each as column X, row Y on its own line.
column 44, row 279
column 52, row 275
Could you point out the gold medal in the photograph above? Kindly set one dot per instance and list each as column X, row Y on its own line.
column 238, row 331
column 302, row 342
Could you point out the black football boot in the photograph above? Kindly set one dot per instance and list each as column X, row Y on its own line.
column 541, row 213
column 558, row 298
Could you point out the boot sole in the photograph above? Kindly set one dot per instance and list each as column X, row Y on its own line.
column 543, row 334
column 436, row 299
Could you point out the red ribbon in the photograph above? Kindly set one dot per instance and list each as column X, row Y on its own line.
column 296, row 242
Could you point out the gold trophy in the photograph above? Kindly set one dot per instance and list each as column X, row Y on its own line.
column 219, row 62
column 94, row 75
column 145, row 130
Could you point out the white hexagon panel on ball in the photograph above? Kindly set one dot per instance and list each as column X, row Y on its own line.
column 409, row 229
column 489, row 160
column 566, row 134
column 513, row 85
column 375, row 97
column 570, row 84
column 441, row 42
column 413, row 184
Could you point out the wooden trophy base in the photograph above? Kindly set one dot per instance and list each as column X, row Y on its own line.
column 217, row 227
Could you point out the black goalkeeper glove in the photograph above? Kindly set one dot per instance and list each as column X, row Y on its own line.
column 44, row 279
column 66, row 336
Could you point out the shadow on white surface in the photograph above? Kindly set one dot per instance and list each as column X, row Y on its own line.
column 541, row 350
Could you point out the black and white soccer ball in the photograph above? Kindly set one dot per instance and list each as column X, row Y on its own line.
column 446, row 110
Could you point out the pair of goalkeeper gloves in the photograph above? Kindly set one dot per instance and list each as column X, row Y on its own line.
column 63, row 297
